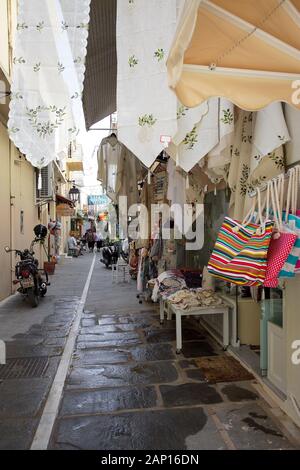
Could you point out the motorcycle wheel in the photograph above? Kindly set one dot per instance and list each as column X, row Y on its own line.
column 33, row 298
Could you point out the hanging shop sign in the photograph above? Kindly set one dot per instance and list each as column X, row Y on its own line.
column 98, row 200
column 48, row 72
column 64, row 210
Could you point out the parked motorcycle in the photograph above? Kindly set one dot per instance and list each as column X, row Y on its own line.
column 33, row 284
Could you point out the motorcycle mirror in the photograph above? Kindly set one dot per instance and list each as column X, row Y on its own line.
column 7, row 249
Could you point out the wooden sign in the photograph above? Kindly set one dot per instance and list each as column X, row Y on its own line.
column 64, row 210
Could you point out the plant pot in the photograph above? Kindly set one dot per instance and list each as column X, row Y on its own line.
column 49, row 267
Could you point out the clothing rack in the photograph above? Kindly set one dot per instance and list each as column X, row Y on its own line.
column 263, row 187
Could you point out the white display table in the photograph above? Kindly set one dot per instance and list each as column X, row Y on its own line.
column 170, row 309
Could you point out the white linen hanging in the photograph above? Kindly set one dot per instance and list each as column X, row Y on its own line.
column 147, row 108
column 219, row 158
column 249, row 168
column 203, row 137
column 49, row 56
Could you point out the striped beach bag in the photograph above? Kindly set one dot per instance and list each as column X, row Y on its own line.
column 240, row 252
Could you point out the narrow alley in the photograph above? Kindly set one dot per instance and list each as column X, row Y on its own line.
column 125, row 388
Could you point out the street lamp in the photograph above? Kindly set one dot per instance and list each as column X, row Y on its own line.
column 74, row 194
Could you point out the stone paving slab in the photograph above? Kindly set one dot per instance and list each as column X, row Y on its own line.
column 249, row 427
column 109, row 344
column 106, row 401
column 165, row 336
column 153, row 352
column 239, row 391
column 119, row 375
column 179, row 429
column 17, row 434
column 189, row 394
column 108, row 337
column 22, row 397
column 85, row 358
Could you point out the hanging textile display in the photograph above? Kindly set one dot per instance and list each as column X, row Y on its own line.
column 49, row 57
column 147, row 108
column 200, row 140
column 118, row 170
column 257, row 153
column 110, row 166
column 216, row 164
column 204, row 131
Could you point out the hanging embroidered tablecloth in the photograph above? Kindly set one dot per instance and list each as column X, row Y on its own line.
column 147, row 108
column 257, row 154
column 204, row 131
column 49, row 56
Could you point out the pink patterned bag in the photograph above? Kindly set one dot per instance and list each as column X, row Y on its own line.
column 282, row 242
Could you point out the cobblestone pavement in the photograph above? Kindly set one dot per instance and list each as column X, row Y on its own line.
column 126, row 388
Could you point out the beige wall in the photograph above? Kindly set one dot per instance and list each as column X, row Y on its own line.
column 5, row 236
column 22, row 190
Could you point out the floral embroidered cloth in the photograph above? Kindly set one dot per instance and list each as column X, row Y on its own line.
column 49, row 55
column 147, row 108
column 257, row 154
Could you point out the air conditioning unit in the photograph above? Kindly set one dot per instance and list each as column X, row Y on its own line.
column 46, row 191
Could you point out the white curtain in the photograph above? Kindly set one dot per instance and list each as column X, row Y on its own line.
column 49, row 57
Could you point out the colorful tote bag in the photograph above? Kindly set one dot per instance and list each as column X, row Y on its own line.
column 281, row 243
column 240, row 253
column 292, row 221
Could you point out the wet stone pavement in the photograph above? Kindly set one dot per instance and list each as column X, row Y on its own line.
column 126, row 387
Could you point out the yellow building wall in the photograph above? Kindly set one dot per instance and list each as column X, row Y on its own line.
column 23, row 201
column 5, row 235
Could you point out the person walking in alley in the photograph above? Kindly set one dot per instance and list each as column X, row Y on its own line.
column 90, row 237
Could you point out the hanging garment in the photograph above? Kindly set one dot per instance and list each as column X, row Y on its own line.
column 176, row 184
column 110, row 166
column 131, row 173
column 147, row 108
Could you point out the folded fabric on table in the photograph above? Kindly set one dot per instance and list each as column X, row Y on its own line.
column 172, row 279
column 191, row 298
